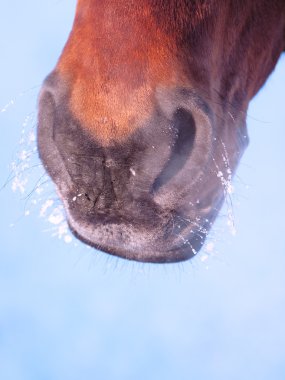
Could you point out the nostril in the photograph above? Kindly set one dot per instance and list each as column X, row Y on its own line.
column 185, row 131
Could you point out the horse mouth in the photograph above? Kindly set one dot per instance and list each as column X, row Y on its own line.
column 167, row 243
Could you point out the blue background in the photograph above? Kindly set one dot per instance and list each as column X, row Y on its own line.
column 68, row 312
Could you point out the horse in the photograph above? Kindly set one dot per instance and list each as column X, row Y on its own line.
column 142, row 123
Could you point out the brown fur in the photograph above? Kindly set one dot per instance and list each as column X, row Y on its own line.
column 119, row 52
column 149, row 97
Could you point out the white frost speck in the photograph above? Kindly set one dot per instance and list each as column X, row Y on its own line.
column 229, row 188
column 19, row 184
column 32, row 137
column 23, row 155
column 45, row 206
column 61, row 231
column 219, row 174
column 56, row 217
column 8, row 105
column 67, row 239
column 204, row 258
column 39, row 190
column 210, row 247
column 231, row 223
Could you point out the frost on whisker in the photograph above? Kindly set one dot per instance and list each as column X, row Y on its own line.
column 47, row 204
column 15, row 100
column 24, row 161
column 19, row 184
column 29, row 180
column 226, row 221
column 7, row 106
column 56, row 217
column 225, row 176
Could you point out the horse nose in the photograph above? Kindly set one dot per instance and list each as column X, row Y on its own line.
column 122, row 196
column 156, row 162
column 184, row 131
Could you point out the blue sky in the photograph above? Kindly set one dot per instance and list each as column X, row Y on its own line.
column 68, row 312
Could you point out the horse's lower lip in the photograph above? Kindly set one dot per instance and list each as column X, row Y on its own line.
column 155, row 252
column 152, row 255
